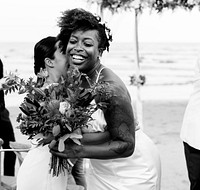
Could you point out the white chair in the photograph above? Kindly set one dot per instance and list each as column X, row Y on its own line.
column 9, row 182
column 18, row 148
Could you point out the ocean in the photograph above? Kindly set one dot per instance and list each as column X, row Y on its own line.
column 161, row 63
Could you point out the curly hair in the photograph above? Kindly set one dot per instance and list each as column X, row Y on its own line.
column 79, row 19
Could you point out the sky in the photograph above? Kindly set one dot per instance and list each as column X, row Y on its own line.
column 31, row 20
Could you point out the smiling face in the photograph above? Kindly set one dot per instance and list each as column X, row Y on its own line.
column 82, row 49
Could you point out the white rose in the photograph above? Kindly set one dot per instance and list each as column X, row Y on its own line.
column 63, row 107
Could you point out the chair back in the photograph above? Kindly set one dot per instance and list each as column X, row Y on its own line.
column 9, row 182
column 18, row 148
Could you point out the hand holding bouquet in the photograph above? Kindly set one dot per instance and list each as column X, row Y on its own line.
column 57, row 111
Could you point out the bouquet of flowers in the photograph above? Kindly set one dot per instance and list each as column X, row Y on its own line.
column 58, row 110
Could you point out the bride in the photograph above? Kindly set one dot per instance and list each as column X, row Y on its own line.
column 127, row 159
column 34, row 171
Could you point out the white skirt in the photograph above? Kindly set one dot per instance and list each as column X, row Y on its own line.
column 34, row 172
column 141, row 171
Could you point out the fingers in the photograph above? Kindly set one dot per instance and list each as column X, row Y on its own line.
column 46, row 141
column 69, row 150
column 59, row 154
column 53, row 146
column 42, row 141
column 54, row 151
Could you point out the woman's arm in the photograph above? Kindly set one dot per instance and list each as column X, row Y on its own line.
column 95, row 138
column 121, row 127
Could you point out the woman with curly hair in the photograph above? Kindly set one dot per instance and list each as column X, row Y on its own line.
column 127, row 159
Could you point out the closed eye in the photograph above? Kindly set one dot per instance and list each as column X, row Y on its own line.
column 72, row 41
column 88, row 44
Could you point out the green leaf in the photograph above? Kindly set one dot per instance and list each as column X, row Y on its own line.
column 13, row 88
column 56, row 130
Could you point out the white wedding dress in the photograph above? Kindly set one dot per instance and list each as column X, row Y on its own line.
column 141, row 171
column 34, row 172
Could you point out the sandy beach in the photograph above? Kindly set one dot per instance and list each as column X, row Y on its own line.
column 164, row 130
column 164, row 98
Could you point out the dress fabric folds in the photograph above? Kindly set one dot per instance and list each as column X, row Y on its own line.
column 34, row 172
column 140, row 171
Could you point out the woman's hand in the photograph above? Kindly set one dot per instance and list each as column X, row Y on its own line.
column 72, row 150
column 45, row 141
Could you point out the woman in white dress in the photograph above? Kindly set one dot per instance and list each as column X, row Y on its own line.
column 127, row 159
column 144, row 166
column 34, row 171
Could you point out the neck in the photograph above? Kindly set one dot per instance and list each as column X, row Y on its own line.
column 94, row 70
column 52, row 79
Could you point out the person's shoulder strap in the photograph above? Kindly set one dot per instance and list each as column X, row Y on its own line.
column 97, row 79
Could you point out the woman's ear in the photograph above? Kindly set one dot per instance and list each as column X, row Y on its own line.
column 48, row 62
column 100, row 52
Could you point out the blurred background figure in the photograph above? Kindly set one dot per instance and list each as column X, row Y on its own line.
column 6, row 133
column 190, row 133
